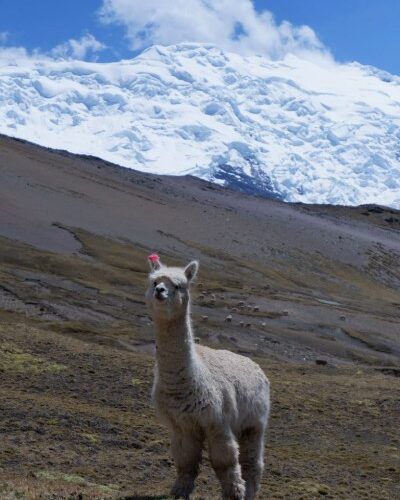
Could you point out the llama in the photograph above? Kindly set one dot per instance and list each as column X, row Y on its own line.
column 204, row 395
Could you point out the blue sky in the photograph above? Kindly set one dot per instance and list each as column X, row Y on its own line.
column 367, row 31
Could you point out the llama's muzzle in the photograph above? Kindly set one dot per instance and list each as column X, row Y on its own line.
column 160, row 292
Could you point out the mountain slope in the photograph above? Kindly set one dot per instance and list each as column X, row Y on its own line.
column 320, row 285
column 317, row 263
column 294, row 130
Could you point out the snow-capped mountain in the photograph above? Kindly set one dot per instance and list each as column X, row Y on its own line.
column 294, row 129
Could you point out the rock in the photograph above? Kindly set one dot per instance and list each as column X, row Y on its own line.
column 321, row 362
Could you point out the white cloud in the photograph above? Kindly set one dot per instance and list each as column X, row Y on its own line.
column 11, row 55
column 233, row 25
column 84, row 47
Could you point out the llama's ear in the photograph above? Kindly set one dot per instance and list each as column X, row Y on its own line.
column 191, row 270
column 154, row 262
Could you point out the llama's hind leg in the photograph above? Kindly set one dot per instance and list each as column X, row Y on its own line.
column 186, row 451
column 251, row 459
column 224, row 456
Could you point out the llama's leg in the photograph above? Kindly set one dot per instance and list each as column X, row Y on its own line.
column 186, row 451
column 224, row 456
column 251, row 459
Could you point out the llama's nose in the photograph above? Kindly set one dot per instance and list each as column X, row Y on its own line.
column 161, row 291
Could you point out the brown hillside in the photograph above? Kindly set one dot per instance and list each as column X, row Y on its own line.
column 320, row 285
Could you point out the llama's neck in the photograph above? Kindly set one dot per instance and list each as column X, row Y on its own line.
column 176, row 355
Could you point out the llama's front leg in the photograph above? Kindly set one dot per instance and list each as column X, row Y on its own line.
column 224, row 456
column 186, row 451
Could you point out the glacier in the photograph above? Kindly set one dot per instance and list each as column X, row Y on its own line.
column 294, row 129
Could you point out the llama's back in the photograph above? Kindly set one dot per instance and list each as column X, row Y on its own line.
column 244, row 386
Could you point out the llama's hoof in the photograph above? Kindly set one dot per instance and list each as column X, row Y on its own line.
column 236, row 492
column 182, row 488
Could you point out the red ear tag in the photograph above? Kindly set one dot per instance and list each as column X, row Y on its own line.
column 153, row 257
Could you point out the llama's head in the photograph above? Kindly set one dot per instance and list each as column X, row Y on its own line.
column 167, row 294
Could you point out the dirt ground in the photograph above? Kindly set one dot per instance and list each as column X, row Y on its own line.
column 76, row 420
column 321, row 314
